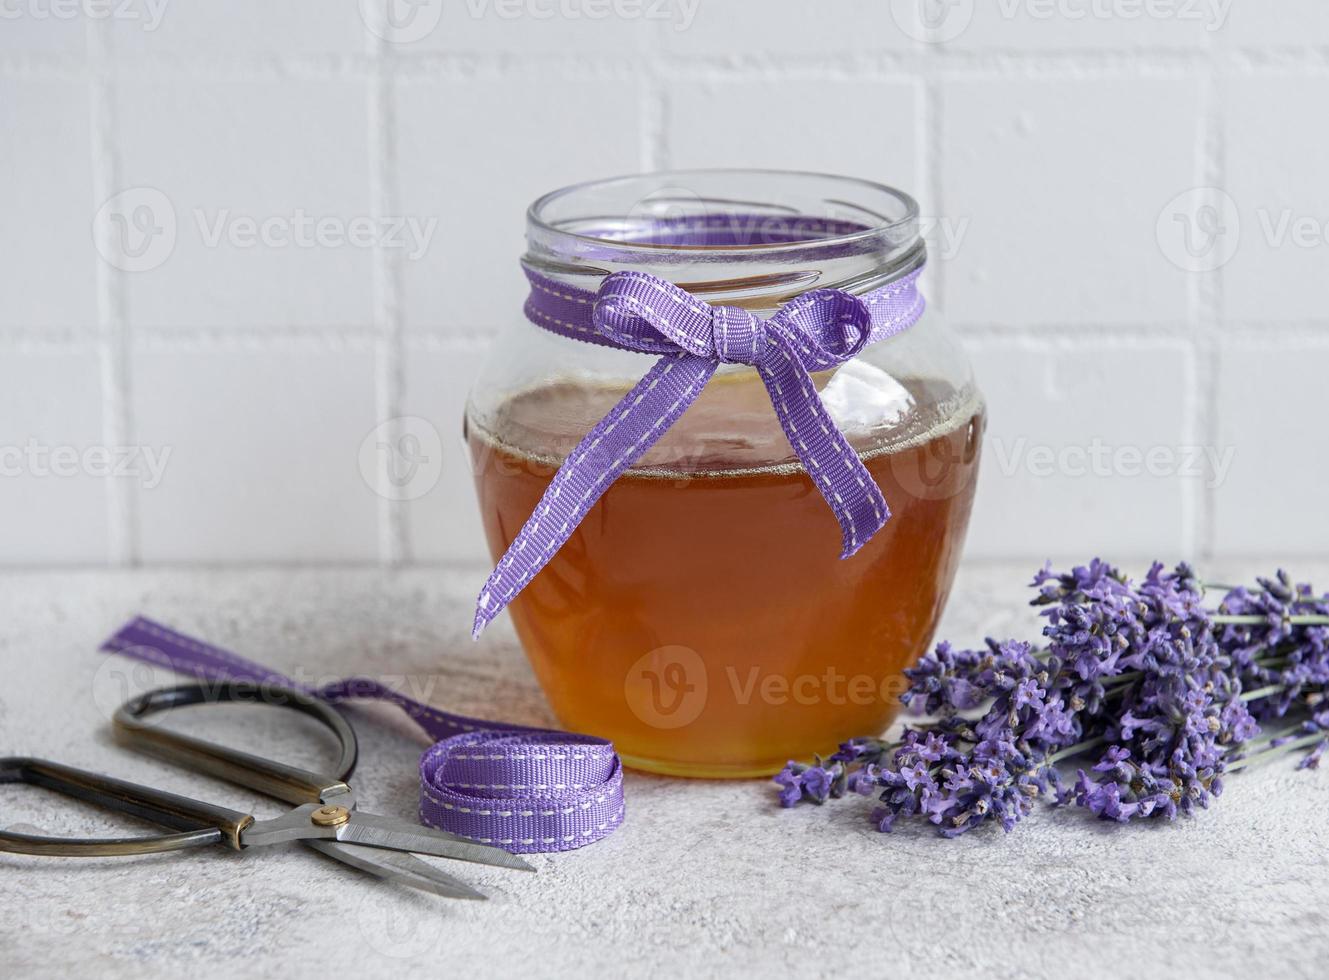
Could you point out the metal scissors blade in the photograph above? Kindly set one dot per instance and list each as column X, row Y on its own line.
column 394, row 866
column 373, row 830
column 398, row 835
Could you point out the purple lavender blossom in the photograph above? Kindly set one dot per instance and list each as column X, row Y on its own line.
column 1173, row 689
column 958, row 793
column 1181, row 711
column 1277, row 652
column 815, row 783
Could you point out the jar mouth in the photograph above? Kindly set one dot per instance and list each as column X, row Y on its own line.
column 757, row 211
column 736, row 232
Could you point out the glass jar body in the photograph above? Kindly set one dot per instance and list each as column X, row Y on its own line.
column 700, row 615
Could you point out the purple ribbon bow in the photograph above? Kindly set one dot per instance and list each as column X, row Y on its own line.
column 523, row 789
column 638, row 312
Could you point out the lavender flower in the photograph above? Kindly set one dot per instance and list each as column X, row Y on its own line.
column 1177, row 691
column 815, row 783
column 958, row 792
column 1181, row 710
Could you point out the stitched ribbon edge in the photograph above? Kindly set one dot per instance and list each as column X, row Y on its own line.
column 579, row 801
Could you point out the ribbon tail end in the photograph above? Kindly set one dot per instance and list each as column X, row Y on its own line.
column 853, row 543
column 484, row 615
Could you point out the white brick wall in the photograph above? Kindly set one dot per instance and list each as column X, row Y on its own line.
column 1154, row 354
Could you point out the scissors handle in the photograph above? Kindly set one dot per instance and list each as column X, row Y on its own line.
column 202, row 823
column 275, row 779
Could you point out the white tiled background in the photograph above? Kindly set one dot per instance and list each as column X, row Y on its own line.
column 1060, row 141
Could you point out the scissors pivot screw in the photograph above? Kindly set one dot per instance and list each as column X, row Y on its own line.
column 330, row 816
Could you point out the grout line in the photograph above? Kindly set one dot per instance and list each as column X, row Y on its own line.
column 389, row 374
column 1205, row 300
column 23, row 340
column 655, row 151
column 1092, row 332
column 850, row 65
column 445, row 341
column 1303, row 332
column 1062, row 342
column 122, row 500
column 935, row 59
column 255, row 337
column 653, row 97
column 932, row 124
column 929, row 60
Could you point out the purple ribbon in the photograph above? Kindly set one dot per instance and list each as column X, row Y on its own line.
column 523, row 789
column 634, row 311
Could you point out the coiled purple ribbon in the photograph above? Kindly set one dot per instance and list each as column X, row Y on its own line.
column 523, row 789
column 638, row 312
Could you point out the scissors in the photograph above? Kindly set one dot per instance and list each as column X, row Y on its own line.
column 325, row 817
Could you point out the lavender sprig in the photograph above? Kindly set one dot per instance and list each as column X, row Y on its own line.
column 1176, row 691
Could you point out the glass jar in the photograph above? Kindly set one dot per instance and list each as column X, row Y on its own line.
column 700, row 615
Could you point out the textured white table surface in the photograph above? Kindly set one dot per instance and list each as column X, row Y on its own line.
column 701, row 879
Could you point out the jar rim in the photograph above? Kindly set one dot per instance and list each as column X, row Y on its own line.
column 560, row 235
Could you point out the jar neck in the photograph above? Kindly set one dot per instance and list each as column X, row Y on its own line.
column 745, row 238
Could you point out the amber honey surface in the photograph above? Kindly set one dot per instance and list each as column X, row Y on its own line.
column 700, row 615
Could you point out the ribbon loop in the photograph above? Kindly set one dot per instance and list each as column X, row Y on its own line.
column 549, row 792
column 634, row 311
column 639, row 312
column 834, row 325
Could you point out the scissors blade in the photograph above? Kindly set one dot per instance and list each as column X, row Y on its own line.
column 391, row 866
column 398, row 835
